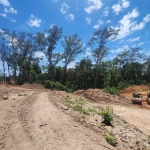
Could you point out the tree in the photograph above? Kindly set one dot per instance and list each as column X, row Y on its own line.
column 126, row 60
column 4, row 52
column 47, row 43
column 98, row 45
column 84, row 73
column 72, row 47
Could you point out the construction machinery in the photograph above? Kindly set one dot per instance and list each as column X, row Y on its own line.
column 148, row 97
column 137, row 98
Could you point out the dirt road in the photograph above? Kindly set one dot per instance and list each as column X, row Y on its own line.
column 32, row 122
column 30, row 119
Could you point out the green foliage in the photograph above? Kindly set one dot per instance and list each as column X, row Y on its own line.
column 111, row 139
column 92, row 110
column 55, row 85
column 137, row 142
column 79, row 108
column 107, row 116
column 112, row 90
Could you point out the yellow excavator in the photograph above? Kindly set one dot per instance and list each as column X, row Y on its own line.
column 148, row 97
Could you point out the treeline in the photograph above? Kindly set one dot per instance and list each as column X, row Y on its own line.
column 17, row 54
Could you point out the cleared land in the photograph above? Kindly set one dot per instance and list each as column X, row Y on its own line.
column 37, row 119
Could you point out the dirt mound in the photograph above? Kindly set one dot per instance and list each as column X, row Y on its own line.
column 135, row 88
column 33, row 86
column 97, row 95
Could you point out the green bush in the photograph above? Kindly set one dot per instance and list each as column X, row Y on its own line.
column 111, row 139
column 107, row 116
column 56, row 85
column 112, row 90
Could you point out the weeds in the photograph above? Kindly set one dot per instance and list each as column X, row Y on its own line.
column 111, row 139
column 79, row 108
column 137, row 142
column 107, row 116
column 92, row 110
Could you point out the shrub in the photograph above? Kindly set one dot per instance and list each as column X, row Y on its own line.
column 107, row 117
column 111, row 139
column 56, row 85
column 112, row 90
column 137, row 142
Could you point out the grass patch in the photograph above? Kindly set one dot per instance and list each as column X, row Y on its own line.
column 92, row 110
column 111, row 139
column 79, row 108
column 137, row 142
column 107, row 116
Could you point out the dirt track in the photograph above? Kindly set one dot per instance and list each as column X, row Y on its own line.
column 31, row 120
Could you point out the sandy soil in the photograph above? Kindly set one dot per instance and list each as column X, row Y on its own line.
column 37, row 119
column 32, row 122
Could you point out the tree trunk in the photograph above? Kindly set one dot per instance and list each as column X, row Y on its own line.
column 3, row 71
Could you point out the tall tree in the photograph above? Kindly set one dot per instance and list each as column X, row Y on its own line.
column 125, row 61
column 98, row 45
column 4, row 51
column 72, row 47
column 47, row 44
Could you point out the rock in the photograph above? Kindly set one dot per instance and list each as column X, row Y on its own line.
column 5, row 97
column 22, row 94
column 64, row 107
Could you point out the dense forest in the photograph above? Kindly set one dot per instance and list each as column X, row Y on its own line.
column 18, row 59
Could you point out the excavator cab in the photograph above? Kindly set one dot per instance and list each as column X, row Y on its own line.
column 148, row 97
column 137, row 98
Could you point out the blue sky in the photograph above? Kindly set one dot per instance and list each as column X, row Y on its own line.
column 84, row 17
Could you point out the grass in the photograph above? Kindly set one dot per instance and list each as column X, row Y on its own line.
column 79, row 108
column 92, row 110
column 137, row 141
column 111, row 139
column 107, row 116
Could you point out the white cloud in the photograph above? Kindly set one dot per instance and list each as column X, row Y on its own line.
column 87, row 52
column 125, row 4
column 70, row 17
column 100, row 22
column 120, row 6
column 5, row 2
column 147, row 18
column 93, row 5
column 12, row 20
column 33, row 21
column 134, row 39
column 106, row 12
column 127, row 25
column 108, row 21
column 96, row 26
column 64, row 8
column 138, row 26
column 10, row 10
column 72, row 64
column 141, row 43
column 120, row 49
column 55, row 0
column 88, row 19
column 39, row 54
column 116, row 8
column 4, row 15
